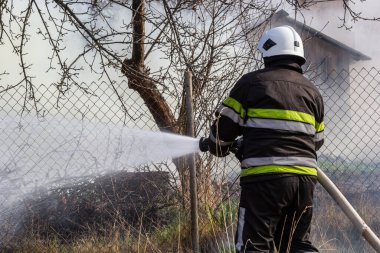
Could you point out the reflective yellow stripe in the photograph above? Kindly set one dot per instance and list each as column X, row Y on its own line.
column 274, row 114
column 301, row 170
column 281, row 114
column 319, row 127
column 235, row 105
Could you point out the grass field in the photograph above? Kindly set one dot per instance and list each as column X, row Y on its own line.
column 331, row 232
column 168, row 228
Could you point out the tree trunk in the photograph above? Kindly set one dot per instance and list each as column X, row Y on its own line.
column 138, row 76
column 139, row 80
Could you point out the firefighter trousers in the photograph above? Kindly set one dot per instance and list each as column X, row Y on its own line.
column 275, row 215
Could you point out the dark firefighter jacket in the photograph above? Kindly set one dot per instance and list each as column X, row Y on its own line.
column 279, row 113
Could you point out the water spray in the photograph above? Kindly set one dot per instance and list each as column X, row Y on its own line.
column 40, row 154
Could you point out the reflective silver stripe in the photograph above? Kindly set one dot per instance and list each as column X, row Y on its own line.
column 259, row 161
column 239, row 234
column 230, row 113
column 319, row 136
column 286, row 125
column 218, row 141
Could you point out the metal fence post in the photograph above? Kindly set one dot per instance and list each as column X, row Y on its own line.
column 191, row 162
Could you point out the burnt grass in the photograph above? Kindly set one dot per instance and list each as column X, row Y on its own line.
column 143, row 200
column 121, row 199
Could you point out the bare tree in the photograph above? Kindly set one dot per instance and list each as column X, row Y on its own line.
column 208, row 37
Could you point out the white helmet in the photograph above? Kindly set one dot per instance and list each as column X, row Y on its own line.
column 282, row 40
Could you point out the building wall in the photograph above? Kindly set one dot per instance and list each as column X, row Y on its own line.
column 322, row 55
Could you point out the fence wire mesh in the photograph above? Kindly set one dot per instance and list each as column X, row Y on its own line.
column 351, row 151
column 350, row 155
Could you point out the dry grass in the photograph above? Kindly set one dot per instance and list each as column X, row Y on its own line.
column 216, row 233
column 331, row 231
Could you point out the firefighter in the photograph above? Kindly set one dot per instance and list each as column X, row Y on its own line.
column 279, row 114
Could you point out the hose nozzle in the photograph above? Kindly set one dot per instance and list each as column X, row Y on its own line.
column 204, row 144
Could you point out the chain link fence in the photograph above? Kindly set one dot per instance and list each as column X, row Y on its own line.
column 351, row 151
column 350, row 155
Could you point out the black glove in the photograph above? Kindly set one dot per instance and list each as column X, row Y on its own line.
column 204, row 144
column 237, row 148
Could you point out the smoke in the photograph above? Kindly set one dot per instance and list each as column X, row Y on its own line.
column 39, row 57
column 362, row 35
column 350, row 95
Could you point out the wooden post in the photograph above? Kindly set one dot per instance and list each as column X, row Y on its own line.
column 191, row 163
